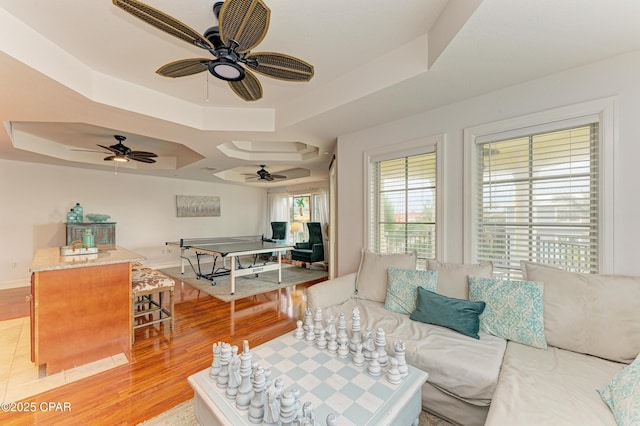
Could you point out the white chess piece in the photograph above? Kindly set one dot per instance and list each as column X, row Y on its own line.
column 308, row 412
column 317, row 328
column 299, row 332
column 393, row 374
column 381, row 342
column 358, row 358
column 234, row 378
column 342, row 329
column 215, row 364
column 343, row 349
column 321, row 341
column 355, row 330
column 271, row 407
column 368, row 346
column 399, row 348
column 374, row 367
column 332, row 420
column 256, row 409
column 245, row 390
column 225, row 357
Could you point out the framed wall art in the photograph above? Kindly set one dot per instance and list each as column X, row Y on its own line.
column 197, row 206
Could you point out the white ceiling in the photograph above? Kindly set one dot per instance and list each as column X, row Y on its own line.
column 73, row 73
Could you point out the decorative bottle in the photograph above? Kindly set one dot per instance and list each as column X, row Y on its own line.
column 87, row 238
column 79, row 212
column 71, row 216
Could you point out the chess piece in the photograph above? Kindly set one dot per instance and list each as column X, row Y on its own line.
column 343, row 349
column 368, row 346
column 393, row 374
column 245, row 391
column 215, row 364
column 299, row 332
column 358, row 357
column 332, row 420
column 355, row 330
column 297, row 404
column 271, row 407
column 308, row 413
column 234, row 377
column 374, row 367
column 381, row 342
column 308, row 320
column 321, row 341
column 318, row 322
column 256, row 409
column 287, row 408
column 399, row 348
column 342, row 329
column 225, row 357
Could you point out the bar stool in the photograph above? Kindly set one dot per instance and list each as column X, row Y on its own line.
column 145, row 284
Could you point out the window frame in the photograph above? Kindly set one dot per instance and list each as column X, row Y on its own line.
column 602, row 110
column 405, row 149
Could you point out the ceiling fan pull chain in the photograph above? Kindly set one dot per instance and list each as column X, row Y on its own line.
column 207, row 87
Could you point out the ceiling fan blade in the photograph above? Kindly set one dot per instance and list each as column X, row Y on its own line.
column 163, row 22
column 183, row 67
column 142, row 154
column 108, row 148
column 280, row 66
column 278, row 177
column 141, row 159
column 249, row 88
column 245, row 21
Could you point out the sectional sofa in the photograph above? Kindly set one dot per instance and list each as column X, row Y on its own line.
column 554, row 348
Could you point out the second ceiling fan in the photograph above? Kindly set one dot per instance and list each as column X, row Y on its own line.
column 242, row 24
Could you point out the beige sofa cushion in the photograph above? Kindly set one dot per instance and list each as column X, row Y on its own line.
column 589, row 313
column 371, row 283
column 453, row 278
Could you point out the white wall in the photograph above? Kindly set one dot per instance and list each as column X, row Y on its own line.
column 35, row 199
column 617, row 77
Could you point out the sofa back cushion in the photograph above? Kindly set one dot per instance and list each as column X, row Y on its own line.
column 588, row 313
column 453, row 278
column 371, row 283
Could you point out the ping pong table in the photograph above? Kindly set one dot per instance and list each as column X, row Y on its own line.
column 232, row 248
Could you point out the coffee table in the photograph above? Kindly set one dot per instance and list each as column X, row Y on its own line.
column 332, row 384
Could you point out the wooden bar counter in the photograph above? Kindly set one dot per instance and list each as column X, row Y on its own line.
column 80, row 306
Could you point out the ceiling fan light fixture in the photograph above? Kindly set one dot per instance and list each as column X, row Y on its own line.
column 120, row 159
column 226, row 69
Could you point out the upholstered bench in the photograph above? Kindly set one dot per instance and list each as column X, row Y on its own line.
column 145, row 284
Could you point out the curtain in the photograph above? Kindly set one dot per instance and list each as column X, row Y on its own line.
column 279, row 208
column 323, row 211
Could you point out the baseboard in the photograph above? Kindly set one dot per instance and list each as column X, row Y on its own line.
column 6, row 285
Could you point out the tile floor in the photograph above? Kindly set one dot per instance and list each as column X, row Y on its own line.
column 20, row 378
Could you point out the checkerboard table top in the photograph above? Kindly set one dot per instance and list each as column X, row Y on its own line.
column 332, row 384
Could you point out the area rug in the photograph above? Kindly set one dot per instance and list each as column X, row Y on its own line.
column 248, row 285
column 183, row 415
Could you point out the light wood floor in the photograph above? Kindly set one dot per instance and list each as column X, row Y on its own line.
column 156, row 378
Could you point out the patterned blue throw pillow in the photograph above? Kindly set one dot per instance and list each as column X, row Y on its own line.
column 622, row 394
column 402, row 288
column 514, row 311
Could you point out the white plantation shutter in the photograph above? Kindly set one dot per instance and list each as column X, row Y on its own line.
column 538, row 199
column 403, row 206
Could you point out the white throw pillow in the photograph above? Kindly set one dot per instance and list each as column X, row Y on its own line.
column 453, row 278
column 589, row 313
column 371, row 283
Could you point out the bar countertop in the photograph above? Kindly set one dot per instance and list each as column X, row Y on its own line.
column 49, row 258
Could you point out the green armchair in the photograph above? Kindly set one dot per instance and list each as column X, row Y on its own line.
column 312, row 250
column 278, row 232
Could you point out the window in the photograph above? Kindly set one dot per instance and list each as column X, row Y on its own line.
column 403, row 204
column 537, row 197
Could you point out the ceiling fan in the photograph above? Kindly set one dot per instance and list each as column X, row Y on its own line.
column 264, row 175
column 123, row 153
column 242, row 24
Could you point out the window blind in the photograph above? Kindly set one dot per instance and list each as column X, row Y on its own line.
column 538, row 200
column 403, row 206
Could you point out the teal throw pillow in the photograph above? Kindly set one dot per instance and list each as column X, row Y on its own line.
column 457, row 314
column 515, row 309
column 402, row 288
column 622, row 394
